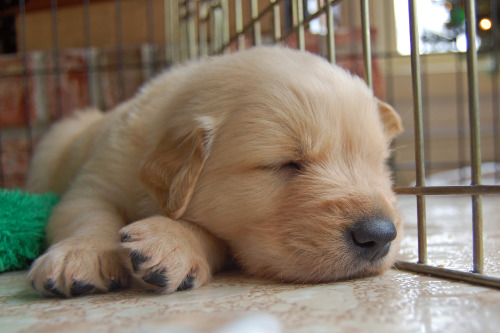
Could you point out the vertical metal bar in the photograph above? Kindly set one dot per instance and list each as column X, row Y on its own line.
column 496, row 123
column 183, row 38
column 389, row 47
column 226, row 34
column 57, row 58
column 472, row 80
column 150, row 21
column 429, row 165
column 202, row 24
column 171, row 9
column 477, row 234
column 276, row 21
column 95, row 79
column 119, row 50
column 294, row 14
column 257, row 35
column 211, row 26
column 147, row 61
column 462, row 142
column 330, row 31
column 388, row 57
column 26, row 99
column 40, row 89
column 168, row 27
column 86, row 37
column 238, row 9
column 151, row 49
column 300, row 25
column 219, row 21
column 367, row 50
column 495, row 86
column 191, row 29
column 92, row 63
column 475, row 138
column 216, row 29
column 419, row 137
column 353, row 35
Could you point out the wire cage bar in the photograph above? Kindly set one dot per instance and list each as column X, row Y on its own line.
column 416, row 75
column 475, row 142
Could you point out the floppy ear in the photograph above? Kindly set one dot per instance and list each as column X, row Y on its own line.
column 390, row 119
column 172, row 168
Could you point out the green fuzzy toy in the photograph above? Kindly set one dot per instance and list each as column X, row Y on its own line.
column 22, row 227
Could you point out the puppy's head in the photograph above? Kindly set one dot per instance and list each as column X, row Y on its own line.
column 283, row 156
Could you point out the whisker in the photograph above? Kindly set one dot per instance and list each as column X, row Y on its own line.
column 287, row 260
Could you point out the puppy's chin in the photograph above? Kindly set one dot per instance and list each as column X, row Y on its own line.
column 296, row 261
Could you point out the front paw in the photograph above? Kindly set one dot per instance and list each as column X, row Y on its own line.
column 76, row 267
column 163, row 255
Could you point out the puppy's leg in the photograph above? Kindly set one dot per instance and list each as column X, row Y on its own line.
column 84, row 257
column 169, row 255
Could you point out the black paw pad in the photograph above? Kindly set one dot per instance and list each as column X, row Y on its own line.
column 188, row 283
column 126, row 238
column 50, row 286
column 157, row 278
column 79, row 288
column 137, row 259
column 115, row 285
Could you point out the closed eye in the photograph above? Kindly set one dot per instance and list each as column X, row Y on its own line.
column 292, row 167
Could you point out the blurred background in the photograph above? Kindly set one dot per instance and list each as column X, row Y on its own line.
column 60, row 55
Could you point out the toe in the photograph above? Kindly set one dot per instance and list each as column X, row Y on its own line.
column 125, row 238
column 137, row 259
column 79, row 288
column 51, row 288
column 188, row 283
column 115, row 285
column 157, row 278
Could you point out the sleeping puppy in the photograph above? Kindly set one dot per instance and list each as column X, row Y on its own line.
column 271, row 156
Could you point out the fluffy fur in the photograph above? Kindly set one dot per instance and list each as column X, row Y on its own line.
column 268, row 155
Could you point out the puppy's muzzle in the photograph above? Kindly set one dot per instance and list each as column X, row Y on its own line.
column 372, row 237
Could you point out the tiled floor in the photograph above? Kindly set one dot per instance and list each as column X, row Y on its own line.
column 394, row 302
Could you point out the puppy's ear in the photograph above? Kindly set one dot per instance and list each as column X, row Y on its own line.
column 390, row 119
column 172, row 168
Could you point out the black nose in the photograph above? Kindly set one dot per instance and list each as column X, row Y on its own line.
column 373, row 237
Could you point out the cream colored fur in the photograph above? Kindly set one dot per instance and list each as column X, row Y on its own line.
column 202, row 163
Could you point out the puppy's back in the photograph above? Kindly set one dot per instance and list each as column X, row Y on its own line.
column 63, row 151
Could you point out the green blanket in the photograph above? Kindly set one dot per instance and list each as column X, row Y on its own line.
column 22, row 227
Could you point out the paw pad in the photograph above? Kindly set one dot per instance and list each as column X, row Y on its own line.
column 50, row 286
column 137, row 259
column 115, row 285
column 188, row 283
column 157, row 278
column 126, row 238
column 79, row 288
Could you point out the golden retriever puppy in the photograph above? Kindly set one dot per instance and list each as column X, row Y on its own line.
column 272, row 156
